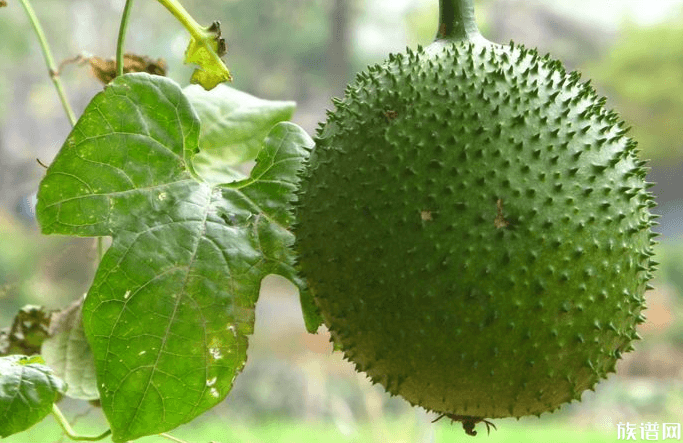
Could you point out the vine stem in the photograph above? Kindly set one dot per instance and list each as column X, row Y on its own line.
column 49, row 60
column 66, row 427
column 122, row 36
column 456, row 21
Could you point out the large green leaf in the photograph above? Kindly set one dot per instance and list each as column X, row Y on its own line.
column 69, row 355
column 172, row 302
column 233, row 123
column 27, row 391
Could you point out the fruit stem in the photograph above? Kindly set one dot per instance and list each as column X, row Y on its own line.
column 456, row 21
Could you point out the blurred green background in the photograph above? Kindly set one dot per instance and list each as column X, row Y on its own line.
column 294, row 389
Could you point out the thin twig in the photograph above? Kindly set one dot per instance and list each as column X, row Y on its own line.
column 79, row 59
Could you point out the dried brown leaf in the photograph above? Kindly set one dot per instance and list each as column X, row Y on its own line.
column 105, row 70
column 27, row 333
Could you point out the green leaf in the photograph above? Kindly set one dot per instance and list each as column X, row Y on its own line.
column 172, row 302
column 206, row 52
column 215, row 173
column 27, row 391
column 68, row 353
column 233, row 123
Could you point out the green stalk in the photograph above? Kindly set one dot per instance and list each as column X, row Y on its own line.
column 201, row 34
column 196, row 30
column 122, row 36
column 51, row 65
column 66, row 427
column 456, row 21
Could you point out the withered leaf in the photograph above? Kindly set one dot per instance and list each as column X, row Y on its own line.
column 27, row 333
column 105, row 70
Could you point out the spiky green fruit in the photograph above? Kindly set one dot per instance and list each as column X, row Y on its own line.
column 474, row 225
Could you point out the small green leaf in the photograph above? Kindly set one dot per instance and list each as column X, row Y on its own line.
column 68, row 353
column 233, row 123
column 172, row 302
column 206, row 52
column 215, row 173
column 28, row 388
